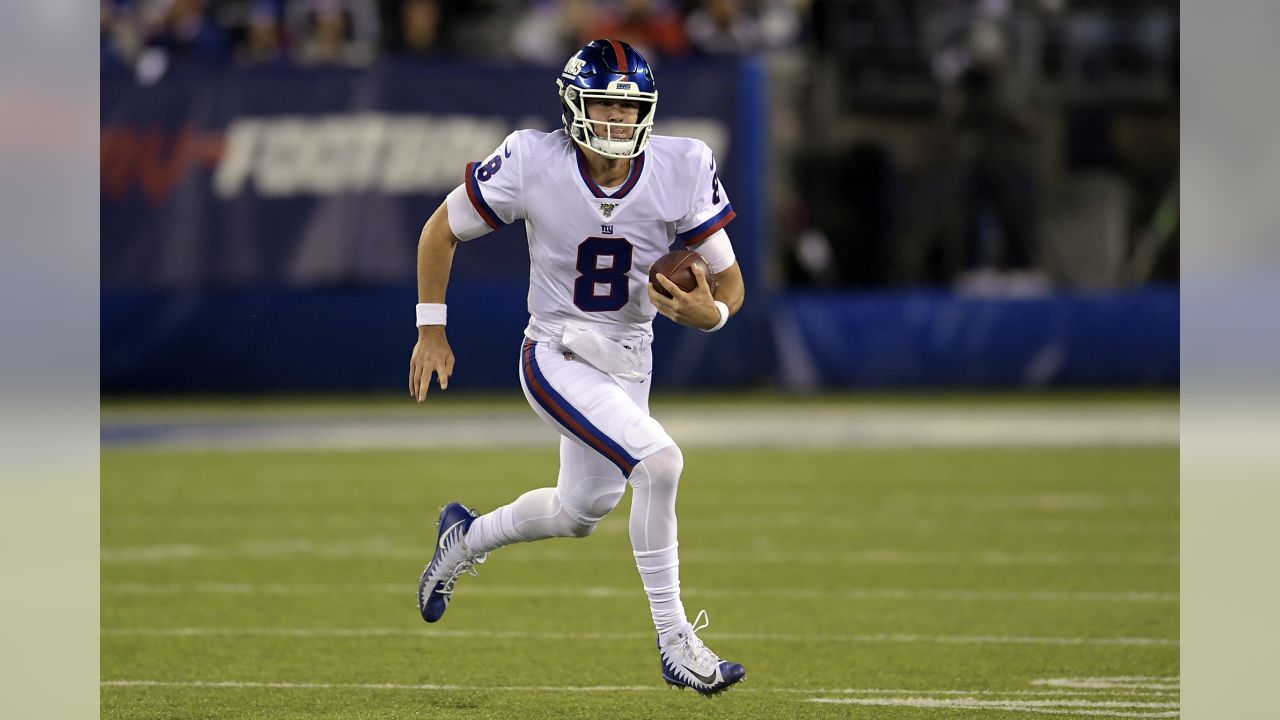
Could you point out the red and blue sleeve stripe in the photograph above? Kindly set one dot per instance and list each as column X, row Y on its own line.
column 568, row 416
column 708, row 228
column 477, row 199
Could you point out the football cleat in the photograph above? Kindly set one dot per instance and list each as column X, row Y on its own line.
column 687, row 663
column 452, row 558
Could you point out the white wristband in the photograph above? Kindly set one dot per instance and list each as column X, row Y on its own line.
column 724, row 317
column 432, row 313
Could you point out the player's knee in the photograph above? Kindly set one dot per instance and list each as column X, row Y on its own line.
column 605, row 502
column 574, row 523
column 581, row 529
column 577, row 524
column 582, row 521
column 661, row 469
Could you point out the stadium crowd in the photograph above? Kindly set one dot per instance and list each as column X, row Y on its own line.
column 1097, row 35
column 358, row 31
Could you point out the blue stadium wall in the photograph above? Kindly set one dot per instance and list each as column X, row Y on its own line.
column 259, row 230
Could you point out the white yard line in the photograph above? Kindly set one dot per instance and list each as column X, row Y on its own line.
column 1047, row 707
column 374, row 686
column 968, row 694
column 1107, row 683
column 989, row 693
column 1071, row 525
column 599, row 592
column 994, row 700
column 381, row 548
column 541, row 635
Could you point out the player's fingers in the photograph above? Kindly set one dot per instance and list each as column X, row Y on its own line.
column 424, row 384
column 660, row 301
column 701, row 277
column 442, row 376
column 422, row 376
column 670, row 286
column 415, row 376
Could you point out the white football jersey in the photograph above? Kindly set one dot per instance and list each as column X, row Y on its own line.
column 591, row 248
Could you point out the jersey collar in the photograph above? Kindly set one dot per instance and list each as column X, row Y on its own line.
column 637, row 167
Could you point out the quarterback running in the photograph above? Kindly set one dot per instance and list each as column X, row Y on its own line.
column 601, row 199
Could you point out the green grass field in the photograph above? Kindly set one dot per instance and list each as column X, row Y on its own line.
column 858, row 583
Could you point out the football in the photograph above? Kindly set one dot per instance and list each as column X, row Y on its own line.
column 678, row 267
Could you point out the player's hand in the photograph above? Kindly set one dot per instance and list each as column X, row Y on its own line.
column 695, row 309
column 431, row 354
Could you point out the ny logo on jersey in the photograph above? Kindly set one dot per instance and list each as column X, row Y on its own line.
column 607, row 208
column 606, row 229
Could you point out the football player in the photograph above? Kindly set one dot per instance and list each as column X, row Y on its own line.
column 601, row 199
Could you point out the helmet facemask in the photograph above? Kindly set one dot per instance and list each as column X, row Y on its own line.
column 603, row 137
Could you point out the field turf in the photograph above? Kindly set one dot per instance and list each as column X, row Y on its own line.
column 857, row 583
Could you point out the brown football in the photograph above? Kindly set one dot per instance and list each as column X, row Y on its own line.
column 677, row 266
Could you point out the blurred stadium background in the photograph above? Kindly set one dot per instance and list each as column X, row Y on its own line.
column 952, row 392
column 935, row 193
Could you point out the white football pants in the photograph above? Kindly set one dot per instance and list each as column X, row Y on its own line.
column 607, row 440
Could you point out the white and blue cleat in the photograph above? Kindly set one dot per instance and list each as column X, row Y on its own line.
column 688, row 663
column 451, row 559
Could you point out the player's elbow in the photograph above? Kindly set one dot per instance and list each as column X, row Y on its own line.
column 437, row 231
column 730, row 288
column 736, row 299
